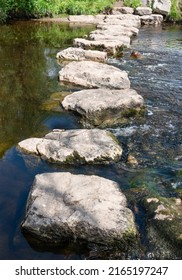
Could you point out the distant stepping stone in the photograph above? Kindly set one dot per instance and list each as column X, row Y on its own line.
column 111, row 46
column 63, row 206
column 91, row 146
column 92, row 74
column 104, row 107
column 79, row 54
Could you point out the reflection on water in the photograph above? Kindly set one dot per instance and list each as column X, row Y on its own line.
column 28, row 77
column 28, row 74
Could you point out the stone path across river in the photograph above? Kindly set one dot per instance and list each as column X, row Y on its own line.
column 79, row 206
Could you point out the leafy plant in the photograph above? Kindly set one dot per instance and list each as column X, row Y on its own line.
column 78, row 7
column 38, row 8
column 175, row 14
column 132, row 3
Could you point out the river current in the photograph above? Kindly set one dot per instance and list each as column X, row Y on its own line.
column 29, row 75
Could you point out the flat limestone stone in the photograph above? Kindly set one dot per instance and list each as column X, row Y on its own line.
column 127, row 10
column 113, row 32
column 64, row 206
column 123, row 20
column 91, row 74
column 151, row 19
column 103, row 107
column 118, row 37
column 142, row 11
column 79, row 54
column 111, row 45
column 118, row 28
column 91, row 146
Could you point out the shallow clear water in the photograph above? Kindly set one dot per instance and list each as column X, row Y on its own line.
column 28, row 76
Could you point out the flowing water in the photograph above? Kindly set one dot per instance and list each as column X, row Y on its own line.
column 29, row 75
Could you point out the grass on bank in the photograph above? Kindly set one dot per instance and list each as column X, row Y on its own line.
column 132, row 3
column 40, row 8
column 175, row 13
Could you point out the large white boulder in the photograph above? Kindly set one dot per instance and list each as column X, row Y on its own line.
column 123, row 20
column 104, row 107
column 79, row 54
column 111, row 45
column 91, row 146
column 91, row 74
column 125, row 39
column 64, row 206
column 162, row 6
column 142, row 11
column 116, row 30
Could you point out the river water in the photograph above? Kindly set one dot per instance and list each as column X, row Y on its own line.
column 29, row 75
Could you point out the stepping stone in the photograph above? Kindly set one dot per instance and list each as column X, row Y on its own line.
column 118, row 28
column 91, row 74
column 151, row 19
column 143, row 11
column 79, row 54
column 90, row 146
column 63, row 206
column 111, row 46
column 123, row 20
column 125, row 31
column 104, row 107
column 111, row 37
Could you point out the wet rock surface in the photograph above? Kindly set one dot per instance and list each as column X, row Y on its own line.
column 111, row 46
column 104, row 107
column 91, row 74
column 63, row 205
column 141, row 11
column 79, row 146
column 79, row 54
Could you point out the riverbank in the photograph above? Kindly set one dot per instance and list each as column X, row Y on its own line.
column 170, row 9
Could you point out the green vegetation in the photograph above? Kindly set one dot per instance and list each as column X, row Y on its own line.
column 39, row 8
column 175, row 13
column 77, row 7
column 133, row 3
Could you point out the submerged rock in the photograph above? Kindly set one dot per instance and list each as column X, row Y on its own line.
column 94, row 75
column 136, row 55
column 104, row 107
column 79, row 54
column 80, row 146
column 166, row 216
column 64, row 206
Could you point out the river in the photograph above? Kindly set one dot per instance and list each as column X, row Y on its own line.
column 29, row 75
